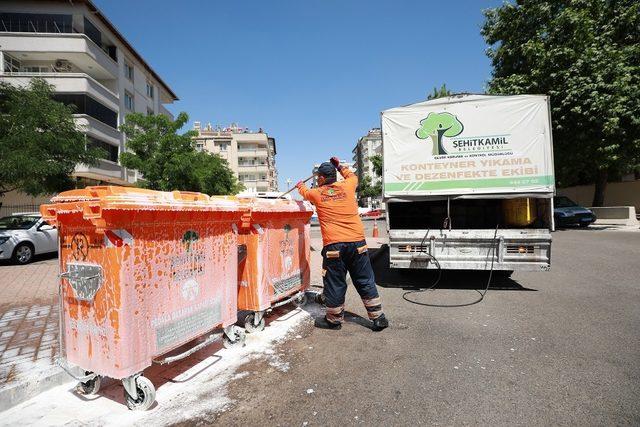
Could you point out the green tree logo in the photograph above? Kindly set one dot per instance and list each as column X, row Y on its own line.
column 437, row 125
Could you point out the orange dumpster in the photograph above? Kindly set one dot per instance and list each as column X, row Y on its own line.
column 275, row 270
column 143, row 273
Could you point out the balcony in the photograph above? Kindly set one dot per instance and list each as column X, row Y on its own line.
column 105, row 171
column 49, row 47
column 97, row 129
column 69, row 83
column 253, row 168
column 252, row 153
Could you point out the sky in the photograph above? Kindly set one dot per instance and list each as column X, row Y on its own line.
column 314, row 74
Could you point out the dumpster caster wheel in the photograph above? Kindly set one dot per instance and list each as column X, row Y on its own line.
column 300, row 300
column 238, row 341
column 146, row 395
column 89, row 387
column 250, row 326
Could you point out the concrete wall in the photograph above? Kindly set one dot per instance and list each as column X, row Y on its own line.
column 617, row 194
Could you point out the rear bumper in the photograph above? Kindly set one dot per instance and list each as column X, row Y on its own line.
column 574, row 220
column 518, row 250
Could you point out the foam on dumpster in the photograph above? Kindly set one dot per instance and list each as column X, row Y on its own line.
column 277, row 241
column 143, row 272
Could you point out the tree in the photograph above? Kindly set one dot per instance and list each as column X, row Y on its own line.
column 439, row 93
column 40, row 143
column 585, row 54
column 169, row 161
column 376, row 160
column 365, row 189
column 437, row 125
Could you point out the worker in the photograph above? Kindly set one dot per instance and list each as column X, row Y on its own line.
column 344, row 246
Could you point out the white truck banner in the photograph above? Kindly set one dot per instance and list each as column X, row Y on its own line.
column 469, row 144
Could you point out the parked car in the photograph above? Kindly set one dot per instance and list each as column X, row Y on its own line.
column 566, row 212
column 373, row 213
column 23, row 235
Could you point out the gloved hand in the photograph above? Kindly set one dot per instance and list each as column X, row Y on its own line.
column 335, row 162
column 299, row 184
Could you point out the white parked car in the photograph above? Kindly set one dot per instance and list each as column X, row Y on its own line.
column 23, row 235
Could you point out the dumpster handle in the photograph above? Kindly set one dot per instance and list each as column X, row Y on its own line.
column 286, row 300
column 61, row 362
column 67, row 275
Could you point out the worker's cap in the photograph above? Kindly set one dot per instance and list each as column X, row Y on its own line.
column 327, row 170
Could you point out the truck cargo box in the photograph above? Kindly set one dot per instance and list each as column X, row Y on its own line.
column 469, row 145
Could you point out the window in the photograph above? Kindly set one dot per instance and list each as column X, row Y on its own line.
column 92, row 32
column 86, row 105
column 35, row 69
column 11, row 64
column 128, row 71
column 199, row 146
column 223, row 146
column 128, row 101
column 35, row 23
column 110, row 151
column 149, row 90
column 263, row 177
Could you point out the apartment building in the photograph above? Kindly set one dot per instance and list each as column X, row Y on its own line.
column 251, row 154
column 367, row 146
column 90, row 64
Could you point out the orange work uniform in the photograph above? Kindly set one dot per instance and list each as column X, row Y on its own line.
column 337, row 209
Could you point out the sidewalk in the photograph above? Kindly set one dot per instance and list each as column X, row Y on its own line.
column 28, row 330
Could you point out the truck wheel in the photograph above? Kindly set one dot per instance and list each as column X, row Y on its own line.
column 23, row 253
column 146, row 395
column 250, row 326
column 90, row 387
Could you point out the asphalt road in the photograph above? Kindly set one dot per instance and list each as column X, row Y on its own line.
column 546, row 348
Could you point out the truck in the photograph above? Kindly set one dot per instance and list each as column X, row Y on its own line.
column 468, row 183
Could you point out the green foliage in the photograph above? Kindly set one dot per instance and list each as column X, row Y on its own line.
column 40, row 144
column 439, row 93
column 585, row 54
column 169, row 161
column 365, row 189
column 376, row 160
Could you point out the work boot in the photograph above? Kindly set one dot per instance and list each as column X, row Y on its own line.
column 325, row 324
column 380, row 323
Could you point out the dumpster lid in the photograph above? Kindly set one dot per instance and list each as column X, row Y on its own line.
column 258, row 204
column 140, row 198
column 277, row 205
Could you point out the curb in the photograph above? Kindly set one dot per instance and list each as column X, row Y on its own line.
column 23, row 391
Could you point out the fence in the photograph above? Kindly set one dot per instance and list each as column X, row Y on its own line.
column 11, row 209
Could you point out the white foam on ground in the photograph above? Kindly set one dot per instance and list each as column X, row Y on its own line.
column 200, row 390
